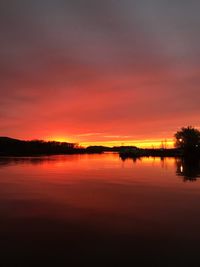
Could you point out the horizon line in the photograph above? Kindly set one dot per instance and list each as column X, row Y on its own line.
column 140, row 143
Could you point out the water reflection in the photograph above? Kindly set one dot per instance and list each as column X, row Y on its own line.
column 40, row 160
column 189, row 169
column 134, row 159
column 76, row 209
column 8, row 161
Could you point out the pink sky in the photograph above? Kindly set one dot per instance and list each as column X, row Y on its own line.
column 103, row 72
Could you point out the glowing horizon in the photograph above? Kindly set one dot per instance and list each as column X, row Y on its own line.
column 137, row 143
column 145, row 143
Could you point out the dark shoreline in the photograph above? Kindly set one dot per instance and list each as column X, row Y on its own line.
column 10, row 147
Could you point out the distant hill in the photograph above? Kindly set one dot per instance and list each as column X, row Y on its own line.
column 15, row 147
column 8, row 139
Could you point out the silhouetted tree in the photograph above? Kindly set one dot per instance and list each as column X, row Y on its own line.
column 188, row 139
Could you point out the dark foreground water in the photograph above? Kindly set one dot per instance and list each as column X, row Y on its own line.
column 96, row 210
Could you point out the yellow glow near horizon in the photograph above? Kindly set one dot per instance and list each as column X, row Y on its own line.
column 59, row 139
column 138, row 143
column 151, row 143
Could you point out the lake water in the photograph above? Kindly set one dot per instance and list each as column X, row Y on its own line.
column 97, row 210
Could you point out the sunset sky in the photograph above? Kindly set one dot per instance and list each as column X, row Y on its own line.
column 99, row 71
